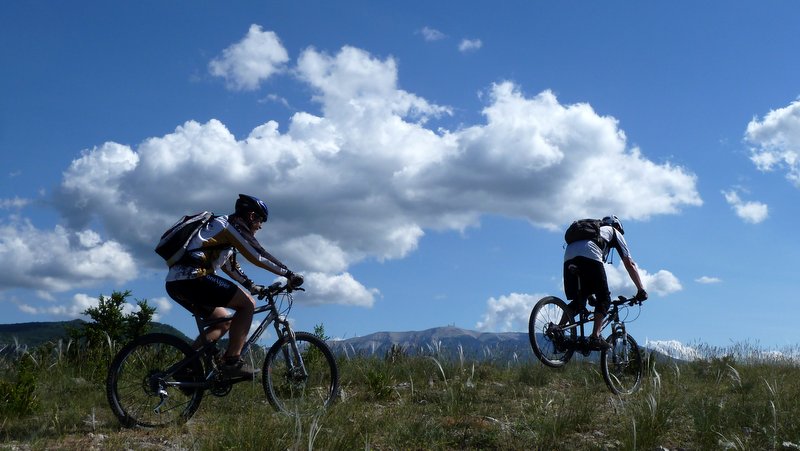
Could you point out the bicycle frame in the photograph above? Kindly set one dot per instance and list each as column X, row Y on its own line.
column 612, row 318
column 208, row 349
column 158, row 378
column 273, row 316
column 553, row 330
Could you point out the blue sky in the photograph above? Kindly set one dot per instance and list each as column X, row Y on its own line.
column 420, row 159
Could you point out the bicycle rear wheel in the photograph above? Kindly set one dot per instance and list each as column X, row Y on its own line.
column 622, row 365
column 291, row 391
column 140, row 392
column 548, row 339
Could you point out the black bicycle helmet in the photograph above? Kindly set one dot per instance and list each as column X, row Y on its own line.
column 246, row 204
column 613, row 221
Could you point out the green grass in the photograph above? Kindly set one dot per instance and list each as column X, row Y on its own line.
column 727, row 400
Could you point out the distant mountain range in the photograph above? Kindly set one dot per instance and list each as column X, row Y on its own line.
column 32, row 335
column 446, row 342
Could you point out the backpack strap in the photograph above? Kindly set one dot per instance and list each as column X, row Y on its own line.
column 611, row 245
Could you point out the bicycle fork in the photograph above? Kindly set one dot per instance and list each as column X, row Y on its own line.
column 294, row 359
column 619, row 345
column 618, row 331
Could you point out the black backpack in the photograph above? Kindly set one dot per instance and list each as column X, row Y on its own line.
column 175, row 240
column 585, row 229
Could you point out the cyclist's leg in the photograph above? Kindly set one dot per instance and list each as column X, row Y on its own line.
column 572, row 290
column 205, row 297
column 244, row 305
column 598, row 322
column 596, row 283
column 216, row 331
column 574, row 307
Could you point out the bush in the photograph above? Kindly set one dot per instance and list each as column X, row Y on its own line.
column 18, row 398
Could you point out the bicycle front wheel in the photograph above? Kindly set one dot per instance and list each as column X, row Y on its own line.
column 548, row 338
column 303, row 382
column 622, row 365
column 140, row 391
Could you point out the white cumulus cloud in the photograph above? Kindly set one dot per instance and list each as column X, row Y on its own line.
column 163, row 306
column 775, row 141
column 362, row 179
column 15, row 202
column 662, row 282
column 469, row 45
column 431, row 34
column 508, row 313
column 59, row 259
column 749, row 211
column 79, row 302
column 247, row 63
column 340, row 289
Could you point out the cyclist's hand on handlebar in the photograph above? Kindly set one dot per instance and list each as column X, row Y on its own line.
column 294, row 281
column 264, row 291
column 256, row 289
column 641, row 295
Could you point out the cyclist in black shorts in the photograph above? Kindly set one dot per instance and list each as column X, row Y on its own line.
column 193, row 281
column 589, row 256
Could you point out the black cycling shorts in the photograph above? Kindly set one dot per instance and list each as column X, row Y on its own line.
column 202, row 295
column 593, row 281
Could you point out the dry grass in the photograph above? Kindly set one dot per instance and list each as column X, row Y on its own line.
column 724, row 401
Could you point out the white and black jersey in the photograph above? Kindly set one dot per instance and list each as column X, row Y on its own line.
column 590, row 249
column 215, row 247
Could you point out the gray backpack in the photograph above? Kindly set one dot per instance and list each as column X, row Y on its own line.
column 173, row 243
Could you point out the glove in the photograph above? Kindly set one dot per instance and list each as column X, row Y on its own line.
column 641, row 295
column 257, row 289
column 294, row 280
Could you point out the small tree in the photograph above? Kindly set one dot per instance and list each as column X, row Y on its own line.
column 139, row 322
column 109, row 321
column 319, row 331
column 110, row 326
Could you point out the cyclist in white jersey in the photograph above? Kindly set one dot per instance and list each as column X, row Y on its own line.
column 193, row 281
column 589, row 257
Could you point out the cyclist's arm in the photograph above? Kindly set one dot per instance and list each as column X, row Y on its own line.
column 231, row 268
column 627, row 260
column 254, row 253
column 633, row 272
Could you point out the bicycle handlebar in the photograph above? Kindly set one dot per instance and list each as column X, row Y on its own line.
column 279, row 287
column 631, row 301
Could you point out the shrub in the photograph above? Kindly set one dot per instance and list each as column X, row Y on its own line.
column 18, row 398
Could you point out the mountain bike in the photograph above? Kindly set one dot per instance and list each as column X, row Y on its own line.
column 556, row 334
column 159, row 379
